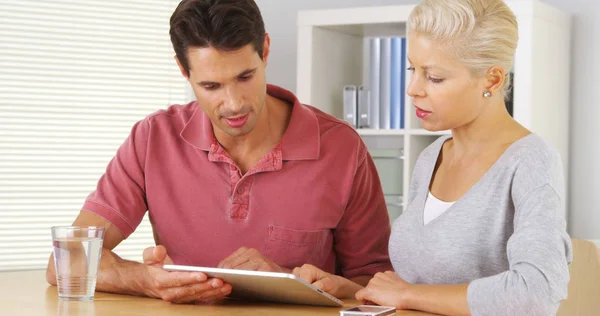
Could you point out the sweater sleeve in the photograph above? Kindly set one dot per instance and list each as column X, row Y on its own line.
column 539, row 251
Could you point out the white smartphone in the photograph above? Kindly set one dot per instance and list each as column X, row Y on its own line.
column 368, row 310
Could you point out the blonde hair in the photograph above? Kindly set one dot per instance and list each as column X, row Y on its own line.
column 479, row 33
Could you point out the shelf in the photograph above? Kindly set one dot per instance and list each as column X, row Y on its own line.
column 350, row 20
column 380, row 132
column 398, row 132
column 421, row 131
column 395, row 206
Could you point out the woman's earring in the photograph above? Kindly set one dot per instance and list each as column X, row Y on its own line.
column 487, row 94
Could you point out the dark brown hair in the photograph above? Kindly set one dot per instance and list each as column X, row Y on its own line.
column 226, row 25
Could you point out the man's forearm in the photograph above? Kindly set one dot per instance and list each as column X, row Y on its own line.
column 115, row 275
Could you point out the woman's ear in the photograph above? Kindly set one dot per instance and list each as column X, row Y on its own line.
column 495, row 78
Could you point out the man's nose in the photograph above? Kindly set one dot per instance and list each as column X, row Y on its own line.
column 233, row 100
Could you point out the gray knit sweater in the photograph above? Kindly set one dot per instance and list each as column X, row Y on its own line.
column 506, row 235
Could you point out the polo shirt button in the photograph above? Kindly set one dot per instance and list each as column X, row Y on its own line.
column 240, row 190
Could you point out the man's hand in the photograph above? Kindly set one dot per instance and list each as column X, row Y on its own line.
column 250, row 259
column 178, row 287
column 156, row 256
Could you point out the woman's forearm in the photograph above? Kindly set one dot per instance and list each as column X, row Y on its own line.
column 439, row 299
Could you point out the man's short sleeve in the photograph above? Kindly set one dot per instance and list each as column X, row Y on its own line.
column 120, row 194
column 362, row 236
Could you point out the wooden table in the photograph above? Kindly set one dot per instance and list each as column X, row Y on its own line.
column 27, row 293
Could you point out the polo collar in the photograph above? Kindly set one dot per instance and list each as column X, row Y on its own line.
column 301, row 140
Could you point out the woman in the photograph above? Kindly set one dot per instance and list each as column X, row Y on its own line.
column 483, row 231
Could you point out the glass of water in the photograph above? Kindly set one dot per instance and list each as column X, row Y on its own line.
column 76, row 258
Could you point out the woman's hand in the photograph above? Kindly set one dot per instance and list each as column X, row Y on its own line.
column 329, row 283
column 386, row 289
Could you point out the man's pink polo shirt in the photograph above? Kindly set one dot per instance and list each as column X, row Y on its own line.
column 315, row 198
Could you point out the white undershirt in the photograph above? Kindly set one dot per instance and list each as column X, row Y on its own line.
column 434, row 207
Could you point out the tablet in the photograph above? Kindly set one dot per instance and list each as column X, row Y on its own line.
column 266, row 286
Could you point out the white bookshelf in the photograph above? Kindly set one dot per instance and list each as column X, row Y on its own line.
column 382, row 132
column 330, row 53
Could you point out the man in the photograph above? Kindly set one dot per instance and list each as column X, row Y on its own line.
column 244, row 178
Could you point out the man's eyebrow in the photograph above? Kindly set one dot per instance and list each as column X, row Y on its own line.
column 241, row 74
column 246, row 72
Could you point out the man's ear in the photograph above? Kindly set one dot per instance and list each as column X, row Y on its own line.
column 266, row 48
column 183, row 71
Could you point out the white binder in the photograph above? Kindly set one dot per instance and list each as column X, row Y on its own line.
column 350, row 104
column 364, row 107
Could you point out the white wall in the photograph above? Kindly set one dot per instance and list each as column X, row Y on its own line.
column 584, row 189
column 280, row 21
column 584, row 182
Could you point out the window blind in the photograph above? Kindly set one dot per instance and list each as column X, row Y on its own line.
column 74, row 78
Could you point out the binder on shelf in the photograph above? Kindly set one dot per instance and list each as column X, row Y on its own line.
column 363, row 115
column 384, row 83
column 350, row 104
column 384, row 69
column 395, row 85
column 374, row 77
column 366, row 62
column 403, row 66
